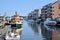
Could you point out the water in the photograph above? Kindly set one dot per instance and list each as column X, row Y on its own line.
column 31, row 31
column 34, row 31
column 50, row 32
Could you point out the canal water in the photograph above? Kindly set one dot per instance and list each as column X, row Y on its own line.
column 31, row 31
column 34, row 31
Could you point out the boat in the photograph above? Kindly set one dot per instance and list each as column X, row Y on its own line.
column 13, row 35
column 38, row 21
column 30, row 20
column 50, row 22
column 57, row 19
column 16, row 28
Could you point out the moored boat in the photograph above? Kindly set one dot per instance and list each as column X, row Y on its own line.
column 16, row 28
column 50, row 22
column 58, row 21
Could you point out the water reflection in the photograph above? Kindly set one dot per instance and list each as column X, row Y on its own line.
column 31, row 31
column 34, row 31
column 50, row 32
column 34, row 26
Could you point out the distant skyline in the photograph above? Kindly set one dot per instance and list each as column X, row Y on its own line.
column 23, row 7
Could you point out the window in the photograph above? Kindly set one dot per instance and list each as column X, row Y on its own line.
column 59, row 4
column 59, row 7
column 53, row 10
column 52, row 7
column 45, row 11
column 52, row 14
column 59, row 14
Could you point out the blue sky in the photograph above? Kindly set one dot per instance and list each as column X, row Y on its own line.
column 23, row 7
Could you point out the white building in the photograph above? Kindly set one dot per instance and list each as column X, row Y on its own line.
column 35, row 14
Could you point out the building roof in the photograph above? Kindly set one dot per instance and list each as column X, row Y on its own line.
column 51, row 4
column 55, row 2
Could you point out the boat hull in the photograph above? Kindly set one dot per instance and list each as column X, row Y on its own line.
column 15, row 29
column 13, row 39
column 50, row 23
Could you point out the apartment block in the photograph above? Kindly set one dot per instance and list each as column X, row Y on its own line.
column 46, row 11
column 51, row 10
column 34, row 14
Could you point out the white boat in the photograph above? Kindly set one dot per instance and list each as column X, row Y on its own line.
column 31, row 21
column 12, row 36
column 49, row 22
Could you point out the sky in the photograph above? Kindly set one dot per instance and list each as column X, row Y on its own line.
column 23, row 7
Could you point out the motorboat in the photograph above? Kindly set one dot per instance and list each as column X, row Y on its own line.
column 12, row 36
column 50, row 22
column 57, row 20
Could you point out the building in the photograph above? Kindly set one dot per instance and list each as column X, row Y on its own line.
column 46, row 11
column 51, row 10
column 2, row 17
column 30, row 16
column 34, row 14
column 56, row 9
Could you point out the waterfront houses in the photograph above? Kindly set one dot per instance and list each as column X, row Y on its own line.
column 51, row 10
column 2, row 17
column 46, row 11
column 34, row 14
column 56, row 9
